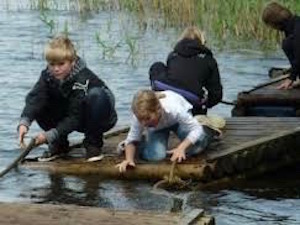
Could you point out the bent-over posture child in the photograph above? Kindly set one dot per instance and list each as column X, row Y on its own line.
column 159, row 113
column 282, row 19
column 191, row 70
column 68, row 97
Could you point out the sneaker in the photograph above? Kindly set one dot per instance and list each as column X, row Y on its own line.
column 93, row 153
column 121, row 147
column 48, row 156
column 95, row 158
column 54, row 151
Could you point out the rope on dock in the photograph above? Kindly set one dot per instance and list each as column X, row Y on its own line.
column 172, row 180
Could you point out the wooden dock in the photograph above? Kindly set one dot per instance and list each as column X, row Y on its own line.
column 250, row 146
column 46, row 214
column 266, row 100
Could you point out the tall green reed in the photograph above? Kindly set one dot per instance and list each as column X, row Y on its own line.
column 225, row 19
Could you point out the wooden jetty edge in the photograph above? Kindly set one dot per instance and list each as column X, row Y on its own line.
column 250, row 146
column 46, row 214
column 266, row 100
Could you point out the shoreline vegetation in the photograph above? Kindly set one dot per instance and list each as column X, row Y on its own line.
column 225, row 19
column 226, row 23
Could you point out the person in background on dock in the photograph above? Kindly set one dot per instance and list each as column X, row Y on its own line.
column 191, row 71
column 68, row 97
column 282, row 19
column 159, row 113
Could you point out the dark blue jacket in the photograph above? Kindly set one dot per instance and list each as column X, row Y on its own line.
column 291, row 45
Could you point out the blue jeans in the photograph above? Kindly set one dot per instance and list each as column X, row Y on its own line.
column 155, row 145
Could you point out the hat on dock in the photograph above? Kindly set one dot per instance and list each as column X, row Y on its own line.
column 214, row 122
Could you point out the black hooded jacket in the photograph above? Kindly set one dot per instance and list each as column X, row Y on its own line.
column 291, row 45
column 192, row 67
column 66, row 97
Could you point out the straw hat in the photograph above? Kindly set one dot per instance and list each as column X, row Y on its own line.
column 212, row 121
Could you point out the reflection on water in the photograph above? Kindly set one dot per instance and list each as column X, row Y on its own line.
column 272, row 199
column 91, row 191
column 21, row 43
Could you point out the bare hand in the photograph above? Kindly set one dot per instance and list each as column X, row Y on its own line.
column 287, row 84
column 40, row 139
column 22, row 132
column 177, row 154
column 123, row 165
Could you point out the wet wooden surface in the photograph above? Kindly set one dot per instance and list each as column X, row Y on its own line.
column 269, row 95
column 240, row 130
column 46, row 214
column 241, row 134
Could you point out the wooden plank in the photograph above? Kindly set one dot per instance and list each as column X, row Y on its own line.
column 260, row 168
column 106, row 169
column 192, row 217
column 260, row 119
column 46, row 214
column 267, row 95
column 276, row 81
column 236, row 138
column 261, row 126
column 243, row 146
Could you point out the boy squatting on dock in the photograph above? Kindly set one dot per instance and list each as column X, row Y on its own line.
column 159, row 113
column 68, row 97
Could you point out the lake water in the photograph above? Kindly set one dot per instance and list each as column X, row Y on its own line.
column 269, row 200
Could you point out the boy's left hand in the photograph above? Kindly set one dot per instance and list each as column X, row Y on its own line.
column 177, row 154
column 40, row 139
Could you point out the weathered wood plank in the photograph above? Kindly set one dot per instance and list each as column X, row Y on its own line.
column 244, row 148
column 254, row 143
column 46, row 214
column 267, row 95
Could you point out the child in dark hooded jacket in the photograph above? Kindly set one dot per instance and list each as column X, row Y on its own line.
column 191, row 70
column 68, row 97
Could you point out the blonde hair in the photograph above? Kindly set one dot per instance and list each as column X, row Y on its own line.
column 275, row 15
column 146, row 104
column 195, row 33
column 60, row 49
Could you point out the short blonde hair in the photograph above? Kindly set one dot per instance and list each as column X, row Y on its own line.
column 275, row 15
column 193, row 32
column 60, row 49
column 145, row 104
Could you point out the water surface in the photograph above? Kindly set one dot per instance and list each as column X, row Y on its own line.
column 23, row 35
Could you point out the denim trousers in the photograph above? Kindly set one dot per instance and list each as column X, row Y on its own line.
column 155, row 145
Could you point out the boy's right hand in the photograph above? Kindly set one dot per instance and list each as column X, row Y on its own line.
column 22, row 132
column 123, row 165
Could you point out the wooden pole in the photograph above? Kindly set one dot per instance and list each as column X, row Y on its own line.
column 106, row 169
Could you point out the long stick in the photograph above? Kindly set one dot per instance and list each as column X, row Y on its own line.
column 268, row 83
column 29, row 147
column 227, row 102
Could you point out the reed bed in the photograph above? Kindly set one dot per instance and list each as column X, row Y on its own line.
column 225, row 19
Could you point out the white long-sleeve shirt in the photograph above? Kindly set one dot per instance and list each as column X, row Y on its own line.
column 175, row 109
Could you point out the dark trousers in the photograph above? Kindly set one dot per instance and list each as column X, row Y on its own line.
column 158, row 71
column 97, row 115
